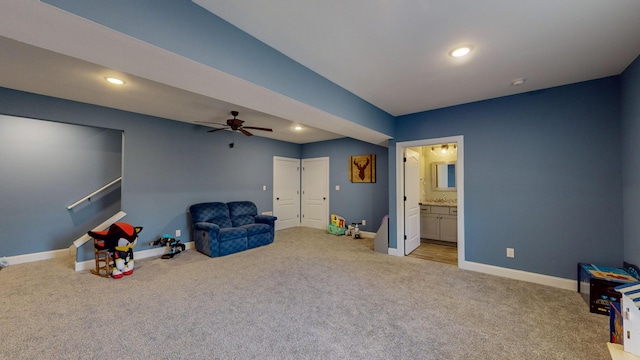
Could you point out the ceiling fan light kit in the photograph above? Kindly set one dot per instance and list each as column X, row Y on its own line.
column 235, row 124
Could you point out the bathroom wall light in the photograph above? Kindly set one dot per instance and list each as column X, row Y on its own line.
column 297, row 128
column 444, row 148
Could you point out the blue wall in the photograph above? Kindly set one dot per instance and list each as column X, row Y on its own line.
column 168, row 166
column 354, row 201
column 38, row 159
column 186, row 29
column 542, row 175
column 631, row 161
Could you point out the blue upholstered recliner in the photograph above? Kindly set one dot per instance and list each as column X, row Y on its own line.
column 220, row 229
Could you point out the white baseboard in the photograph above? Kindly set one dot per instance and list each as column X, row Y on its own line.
column 44, row 255
column 368, row 234
column 143, row 254
column 557, row 282
column 554, row 281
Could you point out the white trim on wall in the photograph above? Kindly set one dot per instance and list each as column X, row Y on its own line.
column 39, row 256
column 84, row 265
column 558, row 282
column 137, row 255
column 459, row 139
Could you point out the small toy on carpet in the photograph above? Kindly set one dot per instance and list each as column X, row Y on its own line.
column 354, row 230
column 173, row 243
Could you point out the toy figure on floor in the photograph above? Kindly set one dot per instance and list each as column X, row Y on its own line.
column 174, row 244
column 119, row 239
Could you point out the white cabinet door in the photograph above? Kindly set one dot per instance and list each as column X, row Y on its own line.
column 423, row 224
column 431, row 227
column 448, row 228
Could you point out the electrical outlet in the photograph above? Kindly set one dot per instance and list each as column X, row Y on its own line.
column 364, row 222
column 264, row 187
column 178, row 232
column 511, row 252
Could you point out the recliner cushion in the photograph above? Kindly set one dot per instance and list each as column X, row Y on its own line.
column 231, row 233
column 242, row 212
column 253, row 229
column 213, row 212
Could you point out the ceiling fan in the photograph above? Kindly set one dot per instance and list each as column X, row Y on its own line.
column 235, row 124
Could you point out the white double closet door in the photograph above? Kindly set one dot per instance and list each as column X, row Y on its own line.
column 301, row 192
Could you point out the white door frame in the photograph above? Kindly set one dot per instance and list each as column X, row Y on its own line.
column 459, row 139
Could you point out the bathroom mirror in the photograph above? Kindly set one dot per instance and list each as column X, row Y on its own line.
column 443, row 176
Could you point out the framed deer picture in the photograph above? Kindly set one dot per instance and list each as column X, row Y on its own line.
column 362, row 168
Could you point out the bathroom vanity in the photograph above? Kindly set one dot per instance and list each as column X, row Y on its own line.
column 439, row 222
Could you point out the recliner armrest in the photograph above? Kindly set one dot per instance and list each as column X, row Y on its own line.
column 266, row 219
column 206, row 238
column 209, row 227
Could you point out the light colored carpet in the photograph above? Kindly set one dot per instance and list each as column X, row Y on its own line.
column 308, row 295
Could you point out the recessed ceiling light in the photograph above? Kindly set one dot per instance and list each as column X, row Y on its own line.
column 114, row 80
column 298, row 128
column 461, row 51
column 518, row 81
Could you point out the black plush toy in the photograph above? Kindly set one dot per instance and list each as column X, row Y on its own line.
column 175, row 247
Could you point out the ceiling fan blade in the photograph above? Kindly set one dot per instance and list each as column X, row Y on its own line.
column 245, row 132
column 257, row 128
column 214, row 130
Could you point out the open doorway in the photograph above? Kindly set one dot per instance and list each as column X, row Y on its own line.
column 400, row 189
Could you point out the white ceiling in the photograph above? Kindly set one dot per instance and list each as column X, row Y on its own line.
column 393, row 54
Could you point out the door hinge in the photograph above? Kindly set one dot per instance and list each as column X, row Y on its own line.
column 405, row 198
column 405, row 237
column 404, row 160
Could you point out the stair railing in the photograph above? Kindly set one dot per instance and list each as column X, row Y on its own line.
column 88, row 197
